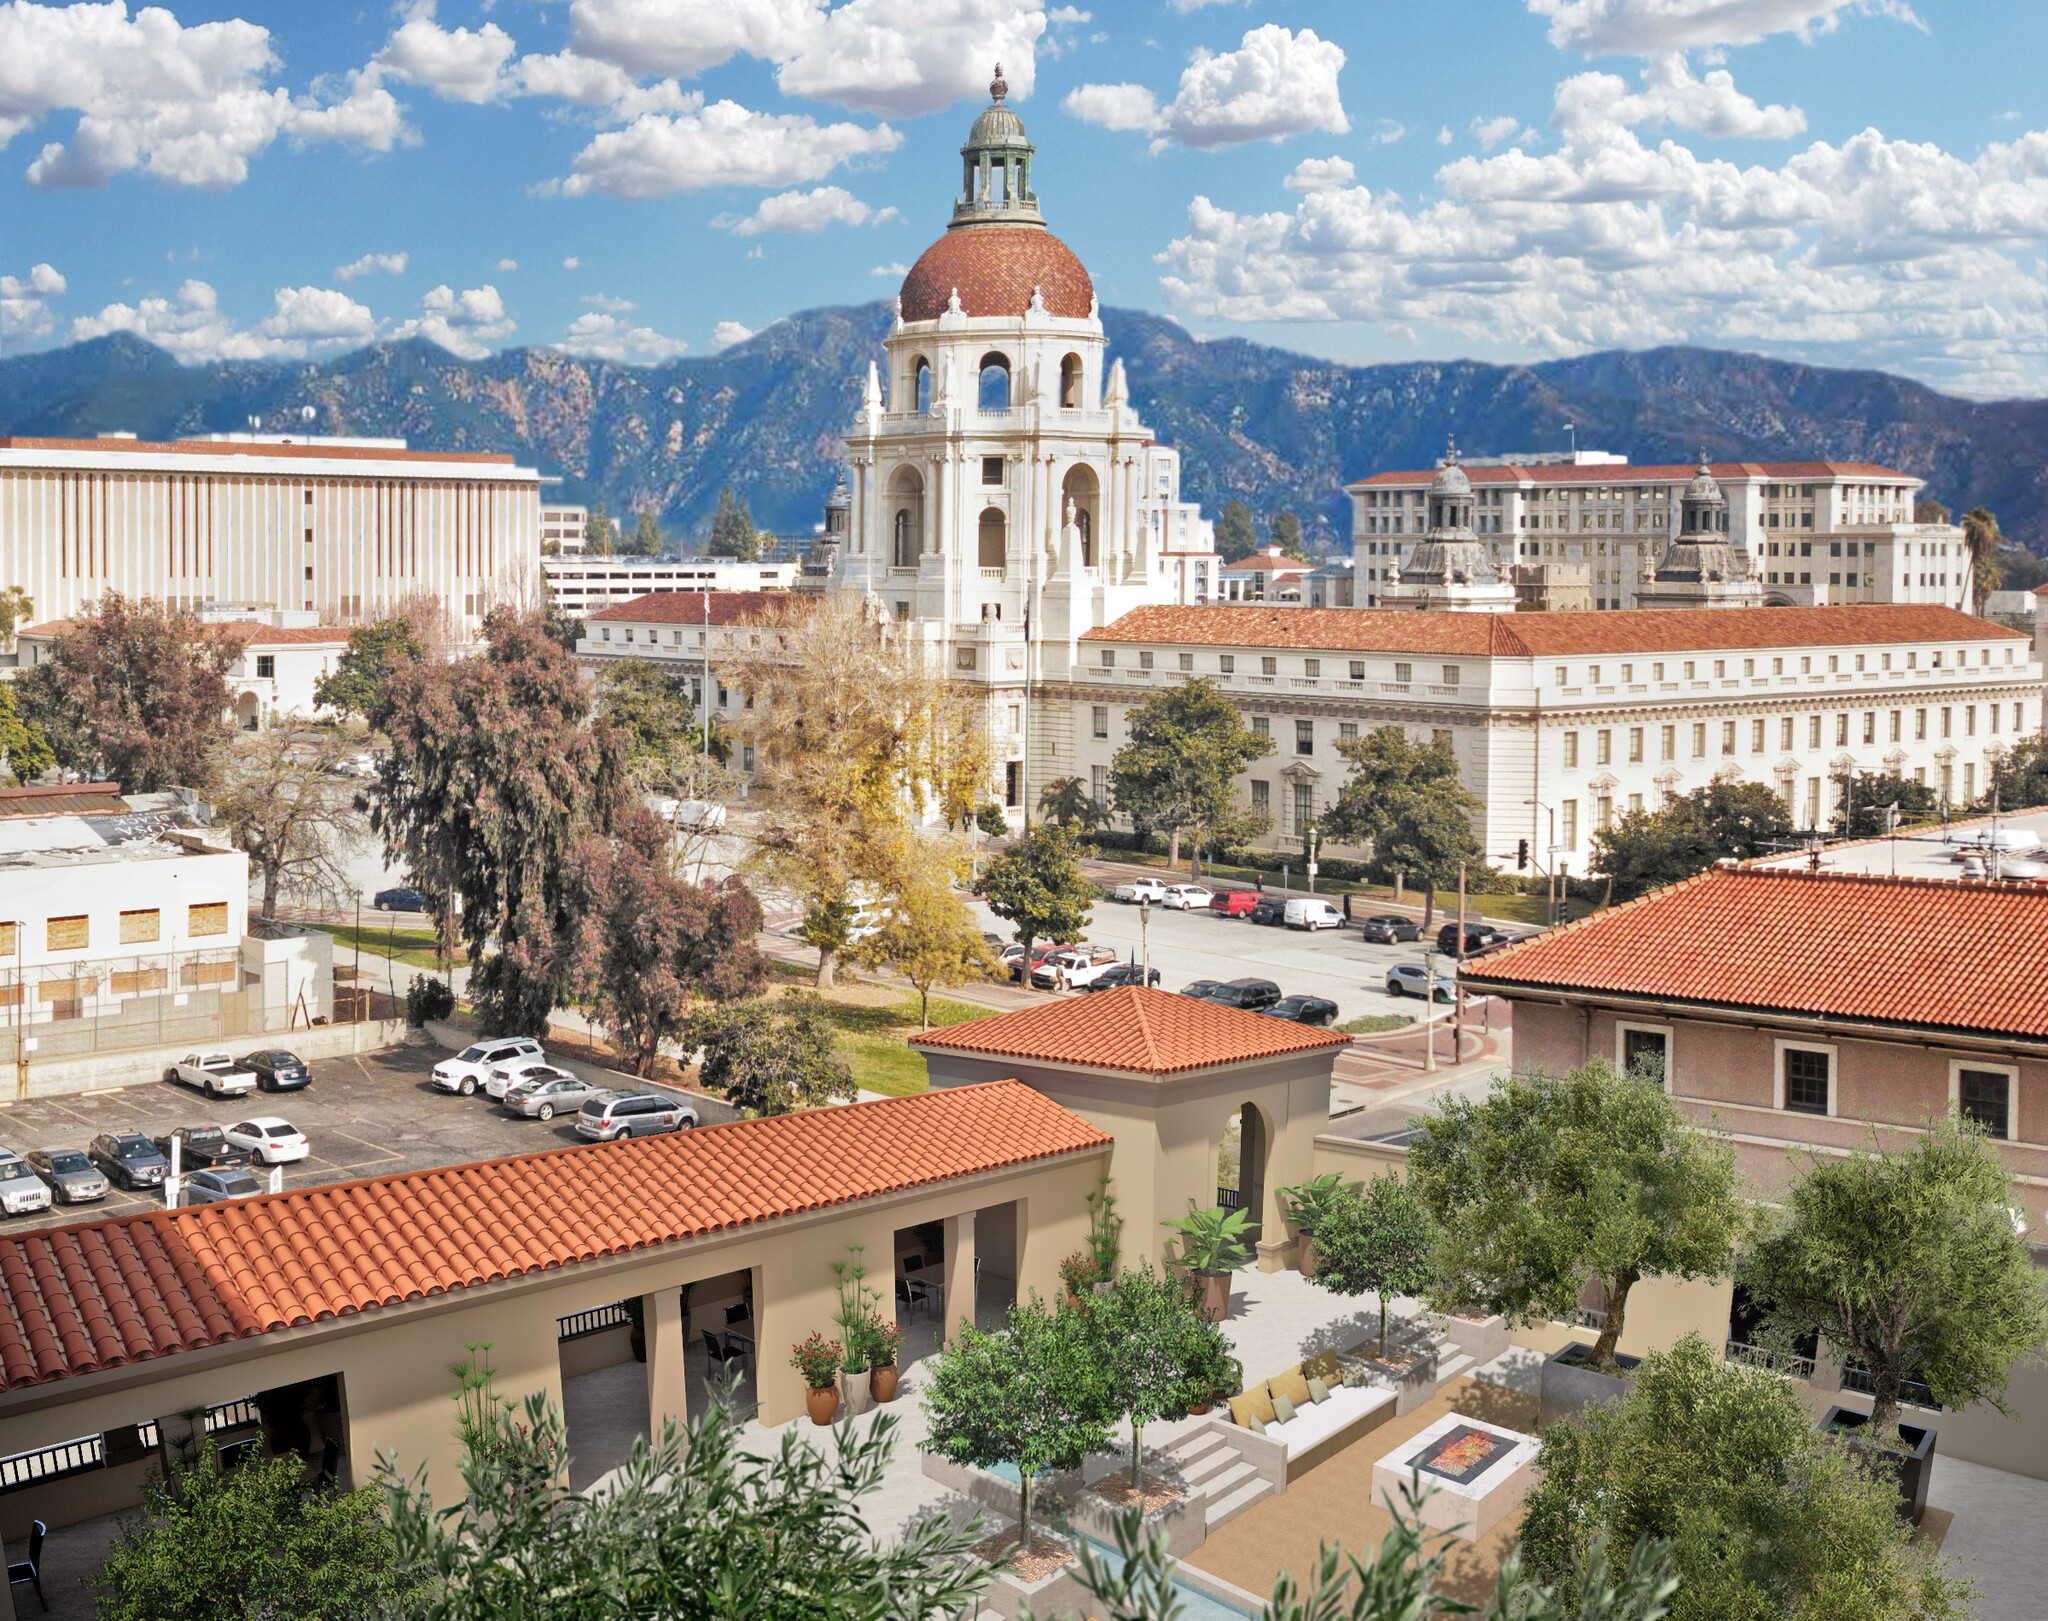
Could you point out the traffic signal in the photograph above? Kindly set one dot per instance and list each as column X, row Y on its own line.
column 1521, row 854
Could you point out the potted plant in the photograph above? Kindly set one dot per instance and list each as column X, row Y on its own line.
column 1212, row 1247
column 884, row 1339
column 856, row 1321
column 1078, row 1273
column 1309, row 1205
column 1105, row 1236
column 818, row 1359
column 636, row 1317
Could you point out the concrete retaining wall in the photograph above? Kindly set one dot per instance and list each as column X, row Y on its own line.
column 139, row 1065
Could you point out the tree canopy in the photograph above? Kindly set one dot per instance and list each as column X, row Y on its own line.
column 283, row 804
column 732, row 529
column 1550, row 1182
column 771, row 1057
column 600, row 534
column 1066, row 800
column 136, row 690
column 1648, row 849
column 1286, row 535
column 1157, row 1350
column 1909, row 1262
column 1237, row 536
column 647, row 535
column 931, row 939
column 1861, row 805
column 1037, row 887
column 355, row 686
column 1408, row 800
column 649, row 706
column 1377, row 1242
column 22, row 744
column 2020, row 775
column 1178, row 772
column 1765, row 1515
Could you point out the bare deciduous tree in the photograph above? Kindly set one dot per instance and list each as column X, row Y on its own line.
column 282, row 802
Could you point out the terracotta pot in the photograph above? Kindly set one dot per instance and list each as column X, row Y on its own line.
column 1215, row 1306
column 1307, row 1263
column 1197, row 1409
column 637, row 1338
column 823, row 1405
column 882, row 1383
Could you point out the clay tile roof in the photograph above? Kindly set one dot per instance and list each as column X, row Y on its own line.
column 95, row 1295
column 687, row 607
column 994, row 267
column 1145, row 1031
column 1911, row 951
column 1548, row 635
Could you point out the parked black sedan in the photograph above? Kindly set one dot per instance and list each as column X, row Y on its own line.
column 1272, row 911
column 277, row 1070
column 402, row 899
column 202, row 1148
column 129, row 1158
column 1123, row 973
column 1390, row 928
column 1314, row 1010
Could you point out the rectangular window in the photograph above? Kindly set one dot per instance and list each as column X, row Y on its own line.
column 1785, row 733
column 1098, row 784
column 1699, row 740
column 991, row 469
column 266, row 666
column 1571, row 751
column 1109, row 658
column 1969, row 720
column 65, row 934
column 1261, row 726
column 1756, row 737
column 1813, row 731
column 1559, row 673
column 1946, row 721
column 1450, row 675
column 211, row 918
column 1404, row 674
column 1603, row 747
column 1813, row 802
column 139, row 928
column 1667, row 743
column 1013, row 783
column 10, row 942
column 1985, row 1096
column 1568, row 823
column 1919, row 725
column 1269, row 666
column 1645, row 1050
column 1358, row 669
column 1688, row 669
column 1603, row 813
column 1841, row 731
column 1261, row 795
column 1145, row 660
column 1187, row 661
column 1347, row 732
column 1304, row 737
column 1227, row 663
column 1312, row 668
column 1805, row 1074
column 1898, row 719
column 1098, row 716
column 1635, row 745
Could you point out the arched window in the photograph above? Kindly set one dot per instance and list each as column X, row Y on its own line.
column 995, row 382
column 992, row 544
column 921, row 383
column 1070, row 383
column 904, row 553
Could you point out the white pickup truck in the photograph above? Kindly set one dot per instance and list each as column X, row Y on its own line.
column 1149, row 890
column 215, row 1074
column 1070, row 970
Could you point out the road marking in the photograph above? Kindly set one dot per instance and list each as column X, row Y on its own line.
column 100, row 1092
column 380, row 1152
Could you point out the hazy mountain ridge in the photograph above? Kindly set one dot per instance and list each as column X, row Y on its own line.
column 1259, row 424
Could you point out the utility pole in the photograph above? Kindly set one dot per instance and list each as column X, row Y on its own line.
column 1145, row 936
column 704, row 703
column 1458, row 1013
column 1428, row 1011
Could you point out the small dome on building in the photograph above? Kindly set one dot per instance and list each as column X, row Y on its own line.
column 1450, row 480
column 1703, row 486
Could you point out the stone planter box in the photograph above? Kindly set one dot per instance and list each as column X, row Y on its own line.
column 1184, row 1520
column 1480, row 1338
column 1915, row 1468
column 1059, row 1592
column 1569, row 1383
column 1413, row 1382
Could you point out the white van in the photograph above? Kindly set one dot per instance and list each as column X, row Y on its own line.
column 1312, row 914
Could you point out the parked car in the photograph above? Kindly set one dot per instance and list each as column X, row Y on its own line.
column 69, row 1175
column 1233, row 902
column 1152, row 890
column 22, row 1192
column 270, row 1139
column 465, row 1072
column 218, row 1187
column 1412, row 979
column 402, row 899
column 1039, row 953
column 607, row 1116
column 1316, row 1010
column 201, row 1148
column 277, row 1070
column 1310, row 913
column 1390, row 928
column 1252, row 995
column 505, row 1076
column 1199, row 989
column 543, row 1096
column 1479, row 938
column 215, row 1074
column 1121, row 974
column 1187, row 897
column 128, row 1158
column 1270, row 910
column 1072, row 970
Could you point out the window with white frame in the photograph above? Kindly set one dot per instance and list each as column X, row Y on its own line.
column 1983, row 1093
column 1644, row 1046
column 1806, row 1078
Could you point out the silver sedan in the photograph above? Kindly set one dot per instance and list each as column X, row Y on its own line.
column 220, row 1187
column 544, row 1093
column 72, row 1177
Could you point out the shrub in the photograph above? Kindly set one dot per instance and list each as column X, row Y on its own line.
column 427, row 998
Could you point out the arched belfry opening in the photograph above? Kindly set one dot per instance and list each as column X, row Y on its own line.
column 1081, row 488
column 1071, row 374
column 921, row 384
column 992, row 543
column 906, row 520
column 995, row 381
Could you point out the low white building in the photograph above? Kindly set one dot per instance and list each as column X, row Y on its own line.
column 563, row 530
column 587, row 585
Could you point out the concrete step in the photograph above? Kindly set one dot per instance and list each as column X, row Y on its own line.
column 1199, row 1445
column 1224, row 1481
column 1197, row 1471
column 1449, row 1368
column 1222, row 1510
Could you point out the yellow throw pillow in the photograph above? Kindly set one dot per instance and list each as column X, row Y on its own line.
column 1253, row 1404
column 1292, row 1385
column 1324, row 1366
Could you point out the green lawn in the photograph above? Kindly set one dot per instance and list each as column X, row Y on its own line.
column 875, row 1041
column 1375, row 1022
column 412, row 946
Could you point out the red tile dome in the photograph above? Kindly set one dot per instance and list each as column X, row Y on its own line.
column 995, row 267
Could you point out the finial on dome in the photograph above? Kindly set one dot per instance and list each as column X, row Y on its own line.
column 999, row 87
column 1703, row 458
column 1037, row 299
column 1450, row 450
column 953, row 302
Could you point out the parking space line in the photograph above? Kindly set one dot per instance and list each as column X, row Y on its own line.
column 381, row 1153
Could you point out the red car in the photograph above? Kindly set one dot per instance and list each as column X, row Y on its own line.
column 1013, row 957
column 1234, row 902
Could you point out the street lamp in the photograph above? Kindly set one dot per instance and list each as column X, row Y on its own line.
column 1550, row 860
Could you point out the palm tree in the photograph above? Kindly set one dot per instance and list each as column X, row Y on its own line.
column 1068, row 802
column 1983, row 541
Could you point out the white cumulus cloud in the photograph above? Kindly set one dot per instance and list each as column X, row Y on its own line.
column 193, row 327
column 606, row 337
column 372, row 264
column 465, row 323
column 25, row 302
column 898, row 270
column 804, row 211
column 458, row 64
column 312, row 316
column 1490, row 132
column 1653, row 27
column 616, row 306
column 1320, row 174
column 727, row 333
column 1275, row 84
column 1672, row 96
column 723, row 144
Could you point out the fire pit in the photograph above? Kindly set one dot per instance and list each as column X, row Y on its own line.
column 1480, row 1471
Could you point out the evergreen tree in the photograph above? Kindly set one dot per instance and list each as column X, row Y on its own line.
column 22, row 744
column 1178, row 773
column 600, row 534
column 1287, row 535
column 647, row 535
column 1237, row 537
column 732, row 529
column 1037, row 886
column 355, row 685
column 1648, row 849
column 772, row 1057
column 1407, row 798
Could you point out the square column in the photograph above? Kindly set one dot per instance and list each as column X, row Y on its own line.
column 668, row 1394
column 959, row 1271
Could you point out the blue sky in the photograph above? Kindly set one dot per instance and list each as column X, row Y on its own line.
column 1844, row 181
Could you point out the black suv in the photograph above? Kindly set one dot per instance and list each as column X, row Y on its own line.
column 1479, row 939
column 1271, row 911
column 129, row 1158
column 1253, row 995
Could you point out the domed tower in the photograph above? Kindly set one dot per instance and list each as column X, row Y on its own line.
column 1450, row 566
column 1701, row 568
column 1005, row 496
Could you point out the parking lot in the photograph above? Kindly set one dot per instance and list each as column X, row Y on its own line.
column 370, row 1114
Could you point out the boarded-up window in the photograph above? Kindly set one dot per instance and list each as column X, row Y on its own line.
column 207, row 919
column 67, row 990
column 67, row 934
column 10, row 996
column 10, row 942
column 146, row 979
column 139, row 927
column 207, row 973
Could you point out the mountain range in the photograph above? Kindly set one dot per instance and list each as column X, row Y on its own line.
column 1274, row 429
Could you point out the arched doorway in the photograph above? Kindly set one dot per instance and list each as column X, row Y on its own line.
column 992, row 541
column 1081, row 488
column 995, row 381
column 906, row 520
column 1242, row 1148
column 249, row 712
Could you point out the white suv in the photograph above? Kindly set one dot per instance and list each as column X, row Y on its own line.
column 21, row 1190
column 467, row 1070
